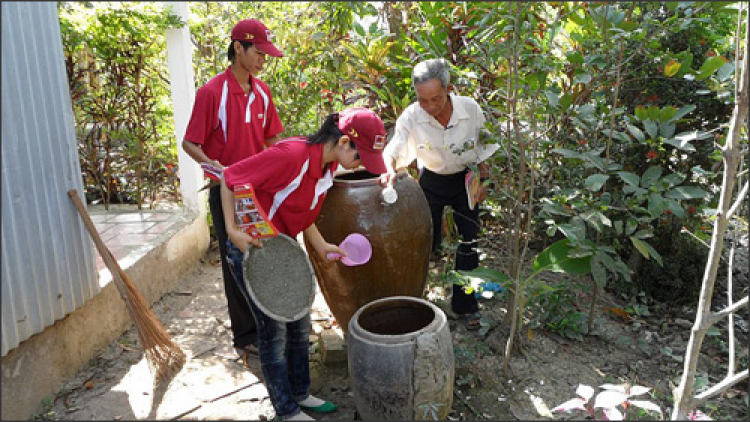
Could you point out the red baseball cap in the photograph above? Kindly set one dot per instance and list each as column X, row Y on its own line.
column 367, row 131
column 252, row 30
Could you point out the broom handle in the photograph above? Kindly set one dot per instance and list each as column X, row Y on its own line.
column 106, row 255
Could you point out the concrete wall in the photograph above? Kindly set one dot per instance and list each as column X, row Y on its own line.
column 40, row 365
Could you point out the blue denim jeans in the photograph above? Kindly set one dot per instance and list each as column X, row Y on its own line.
column 283, row 348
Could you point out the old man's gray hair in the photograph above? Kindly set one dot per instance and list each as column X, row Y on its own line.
column 431, row 69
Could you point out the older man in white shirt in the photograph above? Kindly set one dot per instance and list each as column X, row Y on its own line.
column 442, row 132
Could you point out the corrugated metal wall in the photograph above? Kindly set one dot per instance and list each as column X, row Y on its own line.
column 48, row 267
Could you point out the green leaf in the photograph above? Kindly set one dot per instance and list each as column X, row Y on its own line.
column 711, row 65
column 603, row 219
column 656, row 205
column 580, row 252
column 641, row 246
column 631, row 226
column 629, row 178
column 608, row 262
column 666, row 129
column 598, row 220
column 598, row 272
column 582, row 79
column 358, row 28
column 584, row 110
column 637, row 133
column 567, row 153
column 628, row 25
column 681, row 144
column 565, row 101
column 595, row 160
column 686, row 192
column 641, row 113
column 552, row 98
column 647, row 250
column 676, row 209
column 595, row 182
column 537, row 80
column 555, row 258
column 618, row 226
column 621, row 136
column 682, row 112
column 686, row 59
column 644, row 234
column 682, row 140
column 634, row 190
column 652, row 128
column 575, row 57
column 667, row 113
column 554, row 208
column 653, row 113
column 651, row 175
column 673, row 179
column 572, row 232
column 725, row 72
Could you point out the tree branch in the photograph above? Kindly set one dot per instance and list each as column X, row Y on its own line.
column 722, row 386
column 716, row 317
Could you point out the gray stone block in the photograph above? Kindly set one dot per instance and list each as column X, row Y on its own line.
column 332, row 346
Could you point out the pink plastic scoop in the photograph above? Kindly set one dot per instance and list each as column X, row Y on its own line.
column 357, row 248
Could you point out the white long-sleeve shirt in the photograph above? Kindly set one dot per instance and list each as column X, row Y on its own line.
column 442, row 150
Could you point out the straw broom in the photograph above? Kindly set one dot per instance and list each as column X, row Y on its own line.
column 164, row 357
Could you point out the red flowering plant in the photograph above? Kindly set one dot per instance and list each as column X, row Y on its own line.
column 624, row 200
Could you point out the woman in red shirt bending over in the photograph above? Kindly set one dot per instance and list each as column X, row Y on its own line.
column 290, row 180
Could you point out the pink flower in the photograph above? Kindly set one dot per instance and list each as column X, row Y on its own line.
column 697, row 415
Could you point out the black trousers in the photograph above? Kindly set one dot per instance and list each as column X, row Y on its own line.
column 244, row 329
column 449, row 190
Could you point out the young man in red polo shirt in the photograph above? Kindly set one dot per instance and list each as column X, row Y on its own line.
column 233, row 118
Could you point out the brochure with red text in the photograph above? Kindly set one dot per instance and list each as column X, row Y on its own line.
column 472, row 188
column 248, row 214
column 211, row 171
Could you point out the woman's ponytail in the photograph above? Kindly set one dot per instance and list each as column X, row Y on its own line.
column 329, row 131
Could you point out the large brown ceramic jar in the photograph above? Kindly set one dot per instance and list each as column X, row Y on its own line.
column 400, row 234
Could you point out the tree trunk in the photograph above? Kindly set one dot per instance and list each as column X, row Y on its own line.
column 685, row 399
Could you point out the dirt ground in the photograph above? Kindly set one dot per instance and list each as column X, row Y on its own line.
column 644, row 349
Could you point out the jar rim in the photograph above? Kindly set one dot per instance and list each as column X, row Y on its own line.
column 361, row 177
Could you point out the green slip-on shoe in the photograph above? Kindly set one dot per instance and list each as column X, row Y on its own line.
column 326, row 407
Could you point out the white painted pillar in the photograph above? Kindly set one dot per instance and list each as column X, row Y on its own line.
column 182, row 82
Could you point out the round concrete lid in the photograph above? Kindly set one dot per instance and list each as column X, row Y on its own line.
column 279, row 278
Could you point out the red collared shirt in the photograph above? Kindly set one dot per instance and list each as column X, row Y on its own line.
column 288, row 180
column 229, row 124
